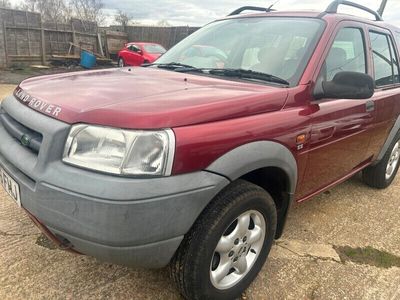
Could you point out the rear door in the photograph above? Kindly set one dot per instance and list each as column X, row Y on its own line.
column 385, row 67
column 341, row 128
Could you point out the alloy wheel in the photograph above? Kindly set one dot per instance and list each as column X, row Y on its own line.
column 238, row 250
column 393, row 161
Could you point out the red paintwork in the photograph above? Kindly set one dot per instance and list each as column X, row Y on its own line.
column 137, row 59
column 213, row 116
column 102, row 97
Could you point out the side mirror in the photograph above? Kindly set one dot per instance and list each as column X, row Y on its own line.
column 346, row 85
column 140, row 52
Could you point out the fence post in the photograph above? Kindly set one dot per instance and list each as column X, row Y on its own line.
column 73, row 36
column 5, row 42
column 43, row 42
column 100, row 43
column 28, row 34
column 106, row 44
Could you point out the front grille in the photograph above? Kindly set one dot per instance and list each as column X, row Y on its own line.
column 27, row 137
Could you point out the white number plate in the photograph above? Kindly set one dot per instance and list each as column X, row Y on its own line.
column 11, row 186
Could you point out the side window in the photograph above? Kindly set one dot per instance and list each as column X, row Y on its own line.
column 385, row 59
column 395, row 61
column 397, row 36
column 347, row 54
column 134, row 48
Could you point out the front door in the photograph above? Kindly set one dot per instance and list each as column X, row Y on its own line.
column 340, row 134
column 135, row 55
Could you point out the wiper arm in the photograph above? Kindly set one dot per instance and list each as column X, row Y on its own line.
column 249, row 74
column 240, row 73
column 170, row 66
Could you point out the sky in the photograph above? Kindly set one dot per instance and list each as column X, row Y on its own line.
column 200, row 12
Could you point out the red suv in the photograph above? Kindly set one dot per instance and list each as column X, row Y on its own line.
column 136, row 54
column 194, row 161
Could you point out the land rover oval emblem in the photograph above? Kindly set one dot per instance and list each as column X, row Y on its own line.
column 25, row 140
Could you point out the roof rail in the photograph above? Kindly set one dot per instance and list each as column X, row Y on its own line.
column 253, row 8
column 333, row 8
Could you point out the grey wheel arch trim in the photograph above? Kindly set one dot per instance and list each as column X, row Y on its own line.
column 395, row 130
column 257, row 155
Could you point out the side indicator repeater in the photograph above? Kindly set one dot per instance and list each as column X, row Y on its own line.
column 300, row 141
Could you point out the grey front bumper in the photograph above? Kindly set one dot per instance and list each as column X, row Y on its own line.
column 136, row 222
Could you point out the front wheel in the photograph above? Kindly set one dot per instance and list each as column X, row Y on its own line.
column 121, row 63
column 228, row 245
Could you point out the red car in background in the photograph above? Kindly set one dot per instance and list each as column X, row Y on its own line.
column 136, row 54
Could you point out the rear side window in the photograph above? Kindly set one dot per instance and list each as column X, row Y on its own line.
column 395, row 60
column 347, row 53
column 134, row 48
column 397, row 37
column 385, row 59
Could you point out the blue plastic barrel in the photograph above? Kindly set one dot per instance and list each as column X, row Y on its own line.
column 88, row 60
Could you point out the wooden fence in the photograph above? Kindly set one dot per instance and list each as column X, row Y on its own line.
column 24, row 38
column 166, row 36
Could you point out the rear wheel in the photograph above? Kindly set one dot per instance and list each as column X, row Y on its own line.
column 228, row 245
column 382, row 175
column 121, row 63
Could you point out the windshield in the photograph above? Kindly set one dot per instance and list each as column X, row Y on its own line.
column 277, row 46
column 154, row 49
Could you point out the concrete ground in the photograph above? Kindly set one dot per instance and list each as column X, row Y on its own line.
column 303, row 265
column 6, row 89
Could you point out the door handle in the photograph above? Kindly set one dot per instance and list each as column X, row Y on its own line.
column 370, row 106
column 323, row 134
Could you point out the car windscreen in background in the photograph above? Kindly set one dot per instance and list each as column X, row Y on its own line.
column 154, row 49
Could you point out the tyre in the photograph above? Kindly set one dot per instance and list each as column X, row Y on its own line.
column 382, row 175
column 228, row 244
column 121, row 63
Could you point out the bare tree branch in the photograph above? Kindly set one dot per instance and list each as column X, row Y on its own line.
column 5, row 4
column 55, row 11
column 122, row 18
column 163, row 23
column 88, row 10
column 60, row 11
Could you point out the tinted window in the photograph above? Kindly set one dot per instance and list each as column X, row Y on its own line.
column 134, row 48
column 395, row 62
column 397, row 36
column 385, row 60
column 153, row 48
column 347, row 53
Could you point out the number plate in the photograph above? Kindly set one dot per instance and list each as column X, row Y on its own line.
column 11, row 186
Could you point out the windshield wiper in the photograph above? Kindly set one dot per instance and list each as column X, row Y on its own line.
column 239, row 73
column 171, row 66
column 248, row 74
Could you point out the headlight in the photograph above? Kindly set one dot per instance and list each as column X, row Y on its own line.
column 122, row 152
